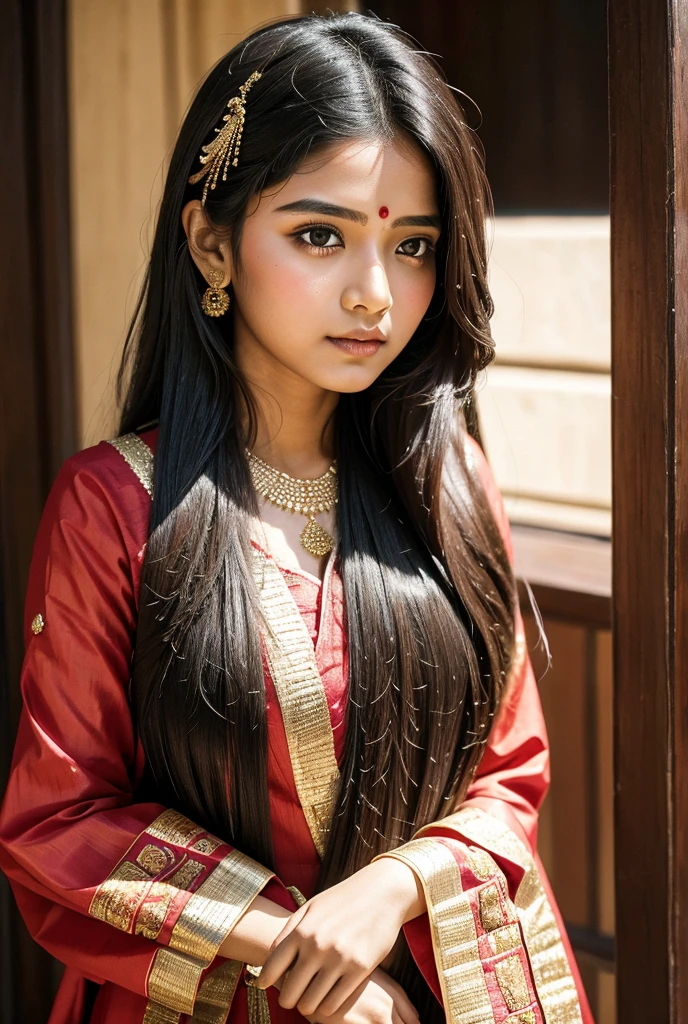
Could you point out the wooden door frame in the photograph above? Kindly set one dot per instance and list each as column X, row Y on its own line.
column 649, row 229
column 38, row 427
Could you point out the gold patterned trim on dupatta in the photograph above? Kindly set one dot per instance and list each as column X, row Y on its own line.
column 302, row 699
column 145, row 885
column 554, row 982
column 454, row 936
column 216, row 906
column 138, row 456
column 173, row 980
column 213, row 1002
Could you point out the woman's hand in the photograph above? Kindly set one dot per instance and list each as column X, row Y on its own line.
column 331, row 944
column 379, row 1000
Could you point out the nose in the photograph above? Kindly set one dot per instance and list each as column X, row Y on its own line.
column 371, row 293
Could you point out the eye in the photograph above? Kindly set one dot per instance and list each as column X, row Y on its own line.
column 318, row 236
column 416, row 248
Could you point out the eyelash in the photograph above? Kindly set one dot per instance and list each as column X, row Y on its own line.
column 323, row 249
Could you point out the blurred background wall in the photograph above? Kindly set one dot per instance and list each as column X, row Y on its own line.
column 106, row 83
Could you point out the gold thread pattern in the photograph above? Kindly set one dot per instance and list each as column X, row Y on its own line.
column 491, row 914
column 512, row 982
column 554, row 982
column 302, row 699
column 504, row 939
column 154, row 859
column 138, row 457
column 214, row 909
column 186, row 875
column 119, row 897
column 206, row 845
column 156, row 1013
column 174, row 979
column 298, row 895
column 152, row 914
column 527, row 1017
column 258, row 1006
column 216, row 994
column 481, row 864
column 454, row 936
column 172, row 827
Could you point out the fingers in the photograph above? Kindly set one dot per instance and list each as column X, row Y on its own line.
column 338, row 994
column 295, row 983
column 311, row 1002
column 279, row 961
column 403, row 1008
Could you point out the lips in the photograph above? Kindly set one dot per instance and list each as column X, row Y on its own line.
column 375, row 335
column 358, row 346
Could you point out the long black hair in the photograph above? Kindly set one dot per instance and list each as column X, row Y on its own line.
column 429, row 594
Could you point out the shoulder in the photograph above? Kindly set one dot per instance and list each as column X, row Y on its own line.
column 100, row 487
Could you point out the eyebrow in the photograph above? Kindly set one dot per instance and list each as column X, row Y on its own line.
column 331, row 210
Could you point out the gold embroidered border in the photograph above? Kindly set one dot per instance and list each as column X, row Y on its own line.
column 302, row 699
column 117, row 900
column 454, row 935
column 138, row 456
column 174, row 979
column 216, row 993
column 174, row 828
column 512, row 982
column 554, row 982
column 214, row 909
column 156, row 1013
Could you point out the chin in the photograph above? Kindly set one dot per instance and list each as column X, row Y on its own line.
column 355, row 379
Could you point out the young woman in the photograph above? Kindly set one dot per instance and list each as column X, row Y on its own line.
column 277, row 709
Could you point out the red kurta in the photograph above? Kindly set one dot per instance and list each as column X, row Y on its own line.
column 132, row 895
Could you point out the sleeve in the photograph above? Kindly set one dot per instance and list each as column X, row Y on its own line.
column 122, row 891
column 492, row 945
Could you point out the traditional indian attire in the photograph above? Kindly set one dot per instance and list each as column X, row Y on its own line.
column 138, row 899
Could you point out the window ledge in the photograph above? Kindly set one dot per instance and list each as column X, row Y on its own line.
column 570, row 574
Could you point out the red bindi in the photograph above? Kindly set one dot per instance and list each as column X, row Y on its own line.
column 384, row 212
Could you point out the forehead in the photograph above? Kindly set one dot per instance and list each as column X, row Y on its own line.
column 353, row 173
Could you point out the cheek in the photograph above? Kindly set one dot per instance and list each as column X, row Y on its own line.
column 412, row 294
column 280, row 282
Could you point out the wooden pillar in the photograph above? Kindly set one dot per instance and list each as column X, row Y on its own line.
column 649, row 228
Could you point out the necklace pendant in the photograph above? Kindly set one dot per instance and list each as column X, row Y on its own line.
column 315, row 540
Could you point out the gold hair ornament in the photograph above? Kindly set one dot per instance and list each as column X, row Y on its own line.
column 224, row 149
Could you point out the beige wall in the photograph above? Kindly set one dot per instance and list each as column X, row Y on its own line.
column 133, row 68
column 545, row 406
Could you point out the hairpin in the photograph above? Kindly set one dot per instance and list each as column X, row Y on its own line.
column 224, row 149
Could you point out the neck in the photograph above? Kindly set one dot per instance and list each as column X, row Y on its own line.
column 295, row 421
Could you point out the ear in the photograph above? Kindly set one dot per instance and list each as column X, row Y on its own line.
column 209, row 250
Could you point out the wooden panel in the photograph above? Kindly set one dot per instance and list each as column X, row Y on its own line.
column 119, row 140
column 133, row 69
column 564, row 698
column 547, row 434
column 605, row 783
column 650, row 371
column 549, row 278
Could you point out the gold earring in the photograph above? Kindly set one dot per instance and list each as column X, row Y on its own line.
column 215, row 300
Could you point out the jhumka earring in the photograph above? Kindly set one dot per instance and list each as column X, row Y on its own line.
column 215, row 300
column 224, row 149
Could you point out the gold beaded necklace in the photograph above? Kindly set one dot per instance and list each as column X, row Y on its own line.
column 307, row 497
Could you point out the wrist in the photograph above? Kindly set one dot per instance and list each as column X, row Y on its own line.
column 253, row 935
column 403, row 888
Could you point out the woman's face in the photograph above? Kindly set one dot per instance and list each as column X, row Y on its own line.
column 344, row 247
